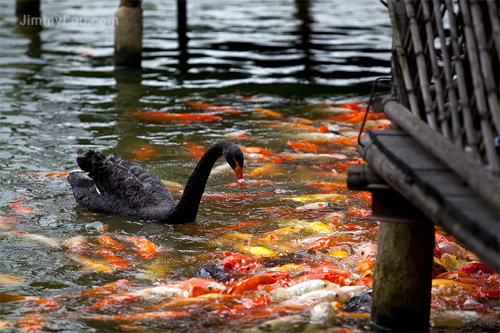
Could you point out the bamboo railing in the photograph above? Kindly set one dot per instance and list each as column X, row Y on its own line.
column 446, row 70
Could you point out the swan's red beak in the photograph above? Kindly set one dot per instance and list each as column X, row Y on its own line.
column 238, row 171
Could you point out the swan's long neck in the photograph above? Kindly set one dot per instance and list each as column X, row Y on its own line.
column 187, row 208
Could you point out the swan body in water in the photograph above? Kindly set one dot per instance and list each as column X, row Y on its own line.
column 122, row 187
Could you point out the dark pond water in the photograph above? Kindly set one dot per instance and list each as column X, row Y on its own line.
column 60, row 96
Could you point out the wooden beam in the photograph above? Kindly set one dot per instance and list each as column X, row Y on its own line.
column 470, row 170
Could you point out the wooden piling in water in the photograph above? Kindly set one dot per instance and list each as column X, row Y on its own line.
column 182, row 25
column 128, row 34
column 403, row 267
column 28, row 8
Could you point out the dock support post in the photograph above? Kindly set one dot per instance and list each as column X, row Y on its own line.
column 128, row 34
column 182, row 25
column 403, row 267
column 28, row 8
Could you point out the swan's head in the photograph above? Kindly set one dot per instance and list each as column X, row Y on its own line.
column 235, row 159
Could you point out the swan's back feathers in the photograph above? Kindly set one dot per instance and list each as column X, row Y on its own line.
column 121, row 187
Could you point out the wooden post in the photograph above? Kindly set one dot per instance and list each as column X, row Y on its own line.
column 403, row 267
column 182, row 25
column 128, row 34
column 28, row 8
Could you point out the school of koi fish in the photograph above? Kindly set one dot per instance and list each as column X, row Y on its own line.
column 303, row 264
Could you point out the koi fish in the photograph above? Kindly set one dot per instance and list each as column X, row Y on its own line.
column 91, row 264
column 9, row 279
column 258, row 251
column 250, row 284
column 356, row 211
column 144, row 153
column 316, row 206
column 139, row 316
column 32, row 322
column 274, row 169
column 213, row 108
column 350, row 141
column 6, row 298
column 477, row 270
column 211, row 298
column 18, row 208
column 367, row 250
column 364, row 196
column 329, row 197
column 251, row 304
column 268, row 113
column 181, row 118
column 253, row 182
column 239, row 262
column 304, row 147
column 110, row 304
column 256, row 150
column 76, row 244
column 107, row 289
column 116, row 262
column 37, row 238
column 109, row 243
column 357, row 117
column 144, row 247
column 237, row 135
column 195, row 151
column 49, row 174
column 332, row 277
column 330, row 185
column 443, row 287
column 491, row 294
column 199, row 286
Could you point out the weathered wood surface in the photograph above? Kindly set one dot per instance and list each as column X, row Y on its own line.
column 436, row 190
column 128, row 34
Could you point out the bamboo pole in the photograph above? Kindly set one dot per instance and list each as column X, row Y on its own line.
column 128, row 34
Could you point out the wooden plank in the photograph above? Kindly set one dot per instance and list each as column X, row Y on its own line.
column 471, row 171
column 466, row 216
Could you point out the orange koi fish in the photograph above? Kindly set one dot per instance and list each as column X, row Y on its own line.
column 304, row 147
column 9, row 220
column 200, row 286
column 180, row 118
column 351, row 141
column 6, row 298
column 256, row 150
column 32, row 322
column 17, row 207
column 272, row 168
column 195, row 151
column 107, row 289
column 356, row 211
column 364, row 196
column 116, row 262
column 37, row 238
column 144, row 247
column 144, row 153
column 49, row 174
column 239, row 262
column 110, row 304
column 269, row 113
column 214, row 108
column 251, row 284
column 109, row 243
column 343, row 166
column 92, row 264
column 140, row 316
column 357, row 117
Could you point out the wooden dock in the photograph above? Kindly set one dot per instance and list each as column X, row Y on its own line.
column 441, row 160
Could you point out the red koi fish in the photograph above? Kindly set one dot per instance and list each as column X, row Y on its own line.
column 356, row 211
column 364, row 196
column 251, row 284
column 17, row 207
column 144, row 247
column 144, row 153
column 140, row 316
column 489, row 294
column 239, row 262
column 353, row 107
column 329, row 267
column 200, row 286
column 110, row 304
column 116, row 262
column 351, row 141
column 343, row 166
column 180, row 118
column 332, row 277
column 357, row 117
column 32, row 322
column 214, row 108
column 477, row 270
column 195, row 150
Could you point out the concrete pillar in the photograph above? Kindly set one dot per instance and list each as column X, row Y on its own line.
column 128, row 35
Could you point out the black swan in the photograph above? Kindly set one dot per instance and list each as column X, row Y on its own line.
column 123, row 187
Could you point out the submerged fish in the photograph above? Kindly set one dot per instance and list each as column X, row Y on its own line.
column 181, row 118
